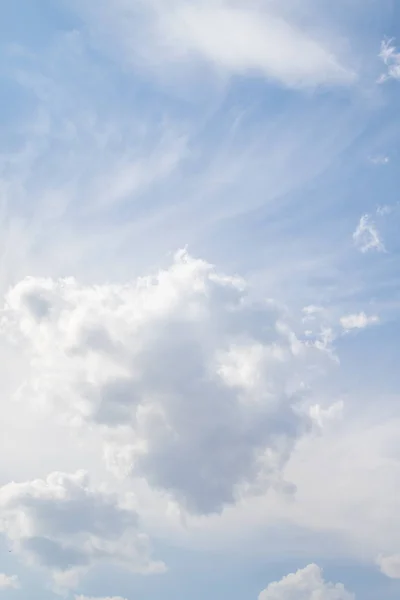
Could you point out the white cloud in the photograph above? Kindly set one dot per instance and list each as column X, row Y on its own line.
column 358, row 321
column 8, row 582
column 305, row 584
column 391, row 58
column 366, row 237
column 64, row 525
column 235, row 37
column 197, row 389
column 390, row 565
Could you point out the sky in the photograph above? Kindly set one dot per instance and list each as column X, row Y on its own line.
column 200, row 299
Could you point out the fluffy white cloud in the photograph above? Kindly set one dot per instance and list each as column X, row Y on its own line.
column 358, row 321
column 8, row 582
column 390, row 565
column 305, row 584
column 391, row 58
column 198, row 390
column 64, row 525
column 366, row 237
column 238, row 37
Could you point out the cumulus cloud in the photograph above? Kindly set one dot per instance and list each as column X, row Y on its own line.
column 305, row 584
column 358, row 321
column 390, row 565
column 197, row 389
column 64, row 525
column 390, row 56
column 8, row 582
column 366, row 237
column 235, row 37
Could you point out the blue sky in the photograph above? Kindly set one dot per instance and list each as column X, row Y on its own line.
column 200, row 288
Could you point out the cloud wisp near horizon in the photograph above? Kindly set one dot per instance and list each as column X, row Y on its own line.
column 200, row 299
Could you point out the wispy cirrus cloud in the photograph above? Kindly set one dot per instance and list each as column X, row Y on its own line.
column 87, row 171
column 366, row 237
column 390, row 56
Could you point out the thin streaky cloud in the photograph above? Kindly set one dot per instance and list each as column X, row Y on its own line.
column 366, row 236
column 390, row 56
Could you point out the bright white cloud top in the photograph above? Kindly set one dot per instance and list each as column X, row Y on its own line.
column 223, row 419
column 304, row 584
